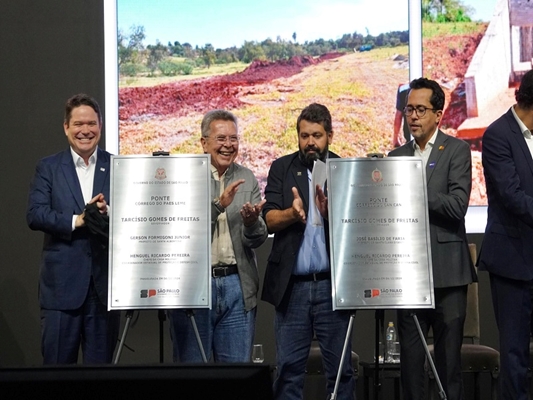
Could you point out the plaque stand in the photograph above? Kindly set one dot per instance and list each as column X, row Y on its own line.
column 129, row 315
column 190, row 314
column 379, row 318
column 442, row 394
column 379, row 180
column 379, row 328
column 333, row 396
column 161, row 317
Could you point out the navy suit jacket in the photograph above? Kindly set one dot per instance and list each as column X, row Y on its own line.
column 69, row 258
column 286, row 172
column 449, row 181
column 507, row 248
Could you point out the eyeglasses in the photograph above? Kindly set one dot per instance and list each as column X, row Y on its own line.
column 223, row 139
column 420, row 110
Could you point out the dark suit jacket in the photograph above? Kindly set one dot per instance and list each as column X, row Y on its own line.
column 507, row 248
column 449, row 181
column 285, row 173
column 69, row 258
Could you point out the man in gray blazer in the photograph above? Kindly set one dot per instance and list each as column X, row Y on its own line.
column 449, row 180
column 237, row 227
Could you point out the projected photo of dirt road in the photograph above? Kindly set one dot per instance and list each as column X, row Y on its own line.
column 166, row 89
column 267, row 97
column 178, row 60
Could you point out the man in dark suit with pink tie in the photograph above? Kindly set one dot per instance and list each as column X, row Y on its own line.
column 73, row 268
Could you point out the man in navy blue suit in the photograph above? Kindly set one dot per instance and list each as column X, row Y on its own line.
column 73, row 268
column 507, row 249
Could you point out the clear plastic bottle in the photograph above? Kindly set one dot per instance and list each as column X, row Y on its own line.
column 392, row 350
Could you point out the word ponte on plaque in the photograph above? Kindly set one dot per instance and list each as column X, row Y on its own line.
column 160, row 232
column 379, row 233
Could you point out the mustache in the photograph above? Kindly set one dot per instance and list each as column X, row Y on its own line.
column 311, row 148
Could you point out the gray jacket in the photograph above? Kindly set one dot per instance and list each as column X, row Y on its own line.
column 449, row 181
column 244, row 239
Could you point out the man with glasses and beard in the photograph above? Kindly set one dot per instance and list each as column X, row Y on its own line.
column 297, row 279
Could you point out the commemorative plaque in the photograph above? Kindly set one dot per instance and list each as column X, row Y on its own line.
column 160, row 232
column 379, row 233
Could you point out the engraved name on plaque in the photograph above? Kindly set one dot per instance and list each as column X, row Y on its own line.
column 160, row 232
column 379, row 233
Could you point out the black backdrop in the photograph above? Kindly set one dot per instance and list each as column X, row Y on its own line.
column 50, row 50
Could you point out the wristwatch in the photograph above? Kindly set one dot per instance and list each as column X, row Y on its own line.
column 218, row 206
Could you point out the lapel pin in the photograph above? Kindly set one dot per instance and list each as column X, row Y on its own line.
column 102, row 169
column 441, row 147
column 299, row 173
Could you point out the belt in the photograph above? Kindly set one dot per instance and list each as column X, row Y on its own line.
column 320, row 276
column 224, row 270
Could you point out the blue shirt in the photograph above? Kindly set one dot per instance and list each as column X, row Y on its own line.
column 313, row 256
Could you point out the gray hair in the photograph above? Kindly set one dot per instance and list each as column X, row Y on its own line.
column 216, row 115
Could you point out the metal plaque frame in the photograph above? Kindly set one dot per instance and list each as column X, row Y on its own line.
column 160, row 232
column 379, row 233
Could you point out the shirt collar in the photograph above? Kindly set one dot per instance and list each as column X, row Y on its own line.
column 226, row 173
column 430, row 142
column 214, row 171
column 523, row 128
column 77, row 159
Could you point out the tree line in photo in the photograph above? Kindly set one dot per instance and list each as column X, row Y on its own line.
column 182, row 58
column 177, row 58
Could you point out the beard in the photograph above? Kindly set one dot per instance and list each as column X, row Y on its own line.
column 308, row 159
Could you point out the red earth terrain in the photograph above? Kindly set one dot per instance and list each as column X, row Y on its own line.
column 443, row 62
column 181, row 98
